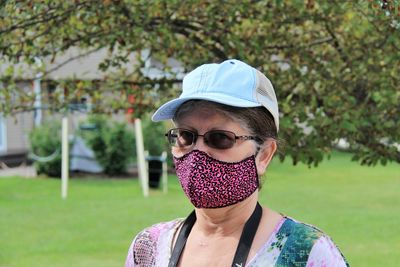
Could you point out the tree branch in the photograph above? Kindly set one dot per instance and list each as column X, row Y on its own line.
column 69, row 60
column 47, row 16
column 337, row 45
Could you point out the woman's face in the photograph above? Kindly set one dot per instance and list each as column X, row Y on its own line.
column 202, row 120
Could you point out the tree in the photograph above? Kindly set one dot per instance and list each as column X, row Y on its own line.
column 334, row 64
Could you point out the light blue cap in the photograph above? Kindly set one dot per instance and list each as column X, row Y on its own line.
column 232, row 82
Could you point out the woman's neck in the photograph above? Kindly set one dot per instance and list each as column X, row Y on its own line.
column 225, row 221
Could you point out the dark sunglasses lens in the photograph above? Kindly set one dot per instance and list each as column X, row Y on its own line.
column 220, row 139
column 181, row 138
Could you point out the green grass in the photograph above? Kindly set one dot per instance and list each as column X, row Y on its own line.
column 359, row 207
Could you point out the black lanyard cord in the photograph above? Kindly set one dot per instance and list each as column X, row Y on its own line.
column 242, row 250
column 181, row 240
column 247, row 237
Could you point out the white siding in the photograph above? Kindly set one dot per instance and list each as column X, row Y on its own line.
column 18, row 128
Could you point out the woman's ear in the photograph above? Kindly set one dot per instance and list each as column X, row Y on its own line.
column 265, row 155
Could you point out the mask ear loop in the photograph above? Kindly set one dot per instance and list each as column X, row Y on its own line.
column 259, row 145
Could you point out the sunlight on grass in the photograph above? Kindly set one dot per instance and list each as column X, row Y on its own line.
column 359, row 207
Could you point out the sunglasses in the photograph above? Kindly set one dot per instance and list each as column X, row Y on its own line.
column 218, row 139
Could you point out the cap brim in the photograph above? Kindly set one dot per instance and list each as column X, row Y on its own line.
column 167, row 110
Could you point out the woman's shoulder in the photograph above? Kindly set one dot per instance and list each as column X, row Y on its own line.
column 305, row 243
column 158, row 229
column 152, row 242
column 294, row 243
column 299, row 232
column 150, row 236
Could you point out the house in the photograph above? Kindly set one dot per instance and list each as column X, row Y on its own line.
column 74, row 63
column 14, row 142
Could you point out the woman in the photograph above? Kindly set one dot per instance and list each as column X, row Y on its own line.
column 225, row 135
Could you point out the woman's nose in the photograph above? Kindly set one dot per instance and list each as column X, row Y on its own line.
column 200, row 144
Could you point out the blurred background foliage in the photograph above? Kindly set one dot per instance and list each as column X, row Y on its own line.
column 45, row 142
column 334, row 64
column 112, row 143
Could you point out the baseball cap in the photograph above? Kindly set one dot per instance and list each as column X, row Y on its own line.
column 232, row 82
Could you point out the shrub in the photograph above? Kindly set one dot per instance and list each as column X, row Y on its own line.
column 45, row 148
column 112, row 143
column 154, row 137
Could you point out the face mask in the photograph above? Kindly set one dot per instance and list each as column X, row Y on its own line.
column 210, row 183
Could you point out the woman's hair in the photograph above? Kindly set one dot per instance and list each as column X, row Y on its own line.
column 257, row 120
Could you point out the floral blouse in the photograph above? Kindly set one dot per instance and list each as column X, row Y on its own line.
column 292, row 243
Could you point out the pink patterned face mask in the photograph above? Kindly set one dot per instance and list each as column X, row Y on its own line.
column 210, row 183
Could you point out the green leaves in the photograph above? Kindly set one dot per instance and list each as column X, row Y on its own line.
column 46, row 141
column 112, row 143
column 334, row 65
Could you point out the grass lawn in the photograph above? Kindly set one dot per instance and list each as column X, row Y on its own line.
column 359, row 207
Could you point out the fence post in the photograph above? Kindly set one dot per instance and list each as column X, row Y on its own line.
column 143, row 176
column 64, row 157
